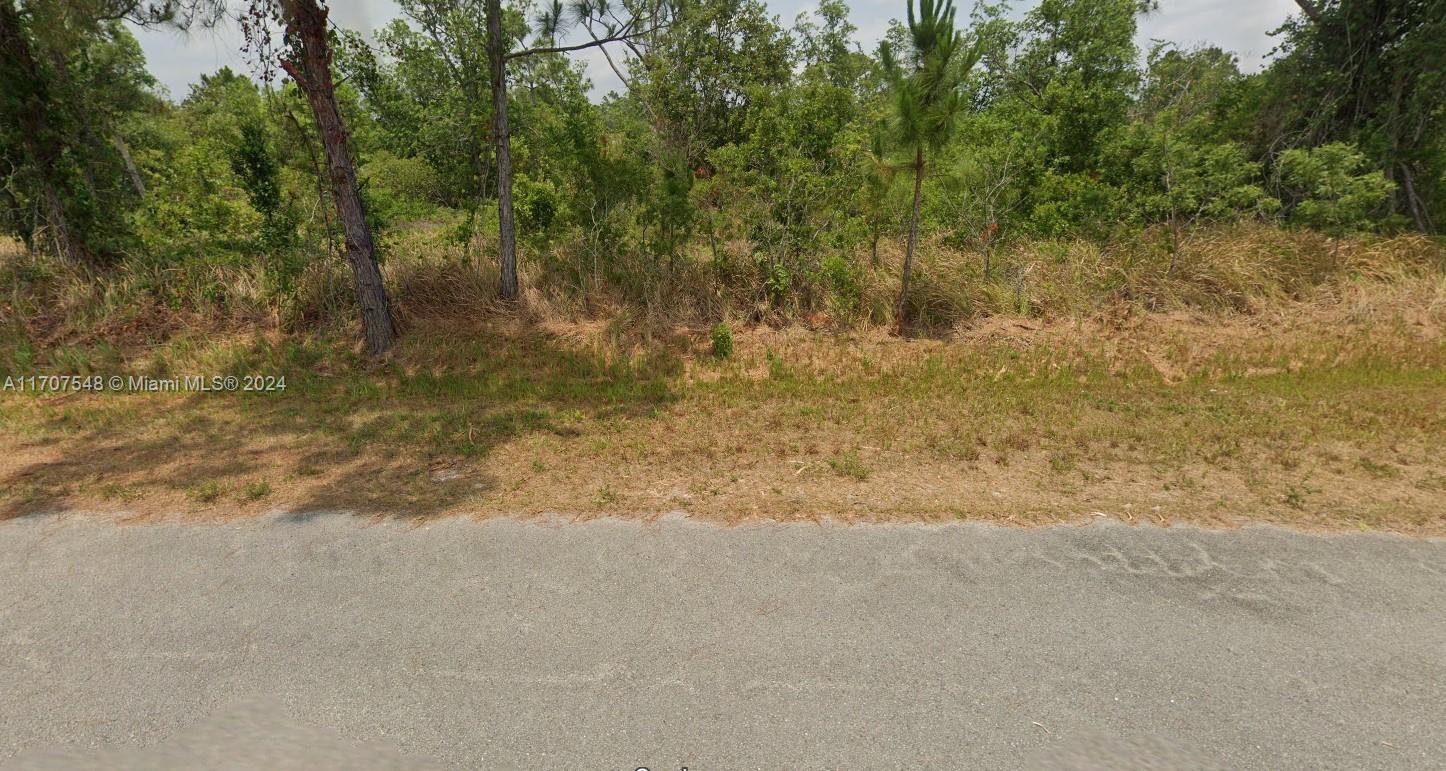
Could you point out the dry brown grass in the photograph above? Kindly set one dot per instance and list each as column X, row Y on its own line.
column 1247, row 395
column 1160, row 418
column 1245, row 268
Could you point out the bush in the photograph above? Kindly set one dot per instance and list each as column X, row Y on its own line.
column 1333, row 188
column 536, row 203
column 722, row 341
column 399, row 189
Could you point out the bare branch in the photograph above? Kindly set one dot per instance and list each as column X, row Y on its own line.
column 623, row 36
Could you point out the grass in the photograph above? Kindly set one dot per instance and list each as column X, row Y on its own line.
column 255, row 491
column 848, row 464
column 208, row 491
column 1320, row 408
column 1230, row 426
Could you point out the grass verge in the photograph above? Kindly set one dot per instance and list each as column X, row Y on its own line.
column 1313, row 418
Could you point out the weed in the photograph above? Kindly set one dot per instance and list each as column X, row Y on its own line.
column 1018, row 440
column 722, row 341
column 955, row 447
column 1287, row 459
column 1294, row 497
column 114, row 491
column 607, row 496
column 777, row 370
column 255, row 491
column 848, row 464
column 207, row 492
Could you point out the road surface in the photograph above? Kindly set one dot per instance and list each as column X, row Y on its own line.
column 332, row 640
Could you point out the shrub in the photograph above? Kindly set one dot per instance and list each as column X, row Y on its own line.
column 1333, row 188
column 399, row 190
column 722, row 341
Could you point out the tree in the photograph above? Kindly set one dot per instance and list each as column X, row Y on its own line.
column 1332, row 188
column 1171, row 160
column 928, row 99
column 71, row 74
column 430, row 94
column 603, row 25
column 703, row 77
column 307, row 59
column 1371, row 73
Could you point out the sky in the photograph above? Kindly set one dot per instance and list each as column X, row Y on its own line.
column 178, row 59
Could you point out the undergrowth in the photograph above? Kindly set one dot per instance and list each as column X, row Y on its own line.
column 61, row 319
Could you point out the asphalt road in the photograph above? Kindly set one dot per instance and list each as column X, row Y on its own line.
column 326, row 640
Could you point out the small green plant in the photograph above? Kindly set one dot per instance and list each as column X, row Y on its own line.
column 23, row 356
column 538, row 466
column 207, row 492
column 722, row 341
column 606, row 495
column 257, row 490
column 114, row 491
column 1333, row 188
column 777, row 370
column 1294, row 497
column 848, row 464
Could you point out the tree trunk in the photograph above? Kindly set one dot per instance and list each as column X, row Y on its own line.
column 1413, row 201
column 19, row 69
column 306, row 22
column 137, row 181
column 913, row 237
column 506, row 227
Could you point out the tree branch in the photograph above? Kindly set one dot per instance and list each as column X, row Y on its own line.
column 621, row 37
column 1312, row 11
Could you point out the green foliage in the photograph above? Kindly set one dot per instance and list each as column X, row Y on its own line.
column 841, row 276
column 1371, row 74
column 926, row 82
column 703, row 76
column 1077, row 69
column 259, row 175
column 537, row 204
column 71, row 88
column 759, row 167
column 256, row 170
column 1332, row 188
column 722, row 338
column 400, row 190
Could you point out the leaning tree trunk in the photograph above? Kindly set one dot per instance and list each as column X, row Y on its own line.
column 506, row 226
column 306, row 22
column 137, row 181
column 21, row 75
column 913, row 237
